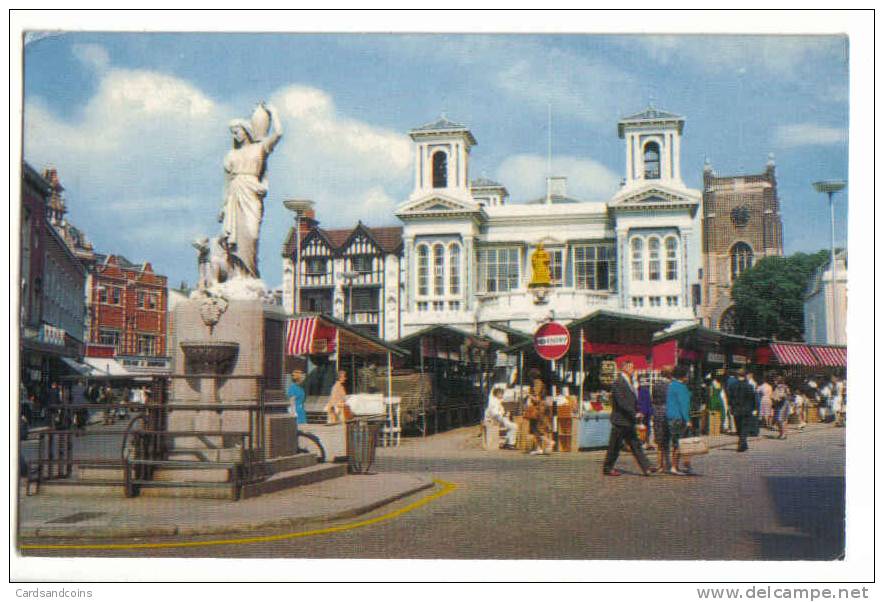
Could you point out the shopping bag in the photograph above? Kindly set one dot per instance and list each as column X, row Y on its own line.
column 693, row 446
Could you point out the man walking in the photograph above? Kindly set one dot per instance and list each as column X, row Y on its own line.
column 742, row 407
column 623, row 421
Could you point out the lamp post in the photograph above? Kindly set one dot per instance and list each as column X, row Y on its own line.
column 830, row 187
column 349, row 277
column 299, row 207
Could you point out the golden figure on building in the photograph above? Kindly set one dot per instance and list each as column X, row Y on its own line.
column 540, row 273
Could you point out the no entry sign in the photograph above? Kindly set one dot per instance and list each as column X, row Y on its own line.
column 551, row 341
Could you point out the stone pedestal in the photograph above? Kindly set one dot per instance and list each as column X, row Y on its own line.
column 222, row 353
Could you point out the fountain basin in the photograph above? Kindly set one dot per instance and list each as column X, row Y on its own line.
column 209, row 357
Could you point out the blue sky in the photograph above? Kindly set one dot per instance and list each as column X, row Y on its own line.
column 136, row 123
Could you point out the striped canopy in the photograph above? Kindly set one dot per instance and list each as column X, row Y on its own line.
column 830, row 355
column 792, row 354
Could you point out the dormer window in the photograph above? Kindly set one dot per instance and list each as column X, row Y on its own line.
column 652, row 161
column 440, row 170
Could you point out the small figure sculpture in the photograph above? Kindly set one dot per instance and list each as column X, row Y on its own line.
column 540, row 261
column 212, row 260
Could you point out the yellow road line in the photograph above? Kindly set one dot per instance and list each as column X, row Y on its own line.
column 446, row 489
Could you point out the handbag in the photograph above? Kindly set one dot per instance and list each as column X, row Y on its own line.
column 693, row 446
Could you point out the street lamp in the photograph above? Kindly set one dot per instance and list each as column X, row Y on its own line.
column 830, row 187
column 299, row 207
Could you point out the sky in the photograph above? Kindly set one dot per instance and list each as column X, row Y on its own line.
column 136, row 124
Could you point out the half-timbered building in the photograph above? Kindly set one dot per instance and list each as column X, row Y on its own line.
column 352, row 274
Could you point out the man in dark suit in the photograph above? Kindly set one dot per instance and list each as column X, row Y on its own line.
column 623, row 420
column 742, row 407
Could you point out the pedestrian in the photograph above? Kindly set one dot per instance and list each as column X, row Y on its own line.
column 538, row 418
column 743, row 408
column 718, row 403
column 495, row 413
column 662, row 436
column 623, row 420
column 678, row 414
column 297, row 396
column 780, row 398
column 839, row 396
column 336, row 409
column 765, row 403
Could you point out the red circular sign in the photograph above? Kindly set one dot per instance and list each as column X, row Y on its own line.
column 551, row 341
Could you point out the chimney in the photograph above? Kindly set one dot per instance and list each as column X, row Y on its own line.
column 556, row 186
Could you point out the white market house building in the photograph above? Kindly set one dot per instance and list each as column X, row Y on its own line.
column 467, row 250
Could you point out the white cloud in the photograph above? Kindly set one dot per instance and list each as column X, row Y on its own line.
column 92, row 55
column 808, row 134
column 588, row 180
column 784, row 56
column 142, row 163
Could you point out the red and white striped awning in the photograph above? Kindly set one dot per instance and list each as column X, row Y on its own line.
column 830, row 356
column 794, row 355
column 299, row 338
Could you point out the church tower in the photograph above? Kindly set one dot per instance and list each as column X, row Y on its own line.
column 442, row 159
column 741, row 224
column 653, row 148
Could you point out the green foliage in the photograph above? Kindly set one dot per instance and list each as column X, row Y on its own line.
column 769, row 297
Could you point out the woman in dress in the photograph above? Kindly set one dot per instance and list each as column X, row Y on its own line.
column 781, row 398
column 765, row 390
column 245, row 189
column 718, row 402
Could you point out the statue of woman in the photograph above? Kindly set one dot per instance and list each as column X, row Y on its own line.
column 245, row 168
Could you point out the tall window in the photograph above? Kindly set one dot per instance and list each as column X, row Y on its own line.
column 454, row 269
column 653, row 258
column 638, row 260
column 652, row 161
column 423, row 270
column 146, row 344
column 498, row 269
column 316, row 266
column 556, row 267
column 109, row 336
column 594, row 267
column 671, row 258
column 741, row 259
column 440, row 170
column 361, row 263
column 438, row 270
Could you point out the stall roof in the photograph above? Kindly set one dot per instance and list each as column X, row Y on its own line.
column 512, row 333
column 354, row 340
column 793, row 354
column 79, row 369
column 830, row 355
column 446, row 331
column 106, row 368
column 608, row 326
column 702, row 334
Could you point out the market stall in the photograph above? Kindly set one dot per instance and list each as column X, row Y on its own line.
column 322, row 347
column 454, row 372
column 580, row 381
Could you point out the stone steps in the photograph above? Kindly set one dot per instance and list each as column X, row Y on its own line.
column 295, row 478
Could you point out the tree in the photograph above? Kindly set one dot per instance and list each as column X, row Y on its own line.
column 769, row 297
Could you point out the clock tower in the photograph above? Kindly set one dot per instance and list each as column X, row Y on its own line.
column 741, row 224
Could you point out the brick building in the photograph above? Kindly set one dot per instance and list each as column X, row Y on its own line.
column 51, row 286
column 128, row 315
column 741, row 224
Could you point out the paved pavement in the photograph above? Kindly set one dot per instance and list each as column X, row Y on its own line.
column 782, row 499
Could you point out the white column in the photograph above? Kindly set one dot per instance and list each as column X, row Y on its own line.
column 677, row 156
column 685, row 235
column 467, row 276
column 418, row 168
column 630, row 170
column 408, row 259
column 622, row 263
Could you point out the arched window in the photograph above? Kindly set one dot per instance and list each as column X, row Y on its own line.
column 638, row 261
column 454, row 269
column 741, row 259
column 423, row 270
column 438, row 270
column 440, row 169
column 652, row 161
column 653, row 258
column 728, row 320
column 671, row 258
